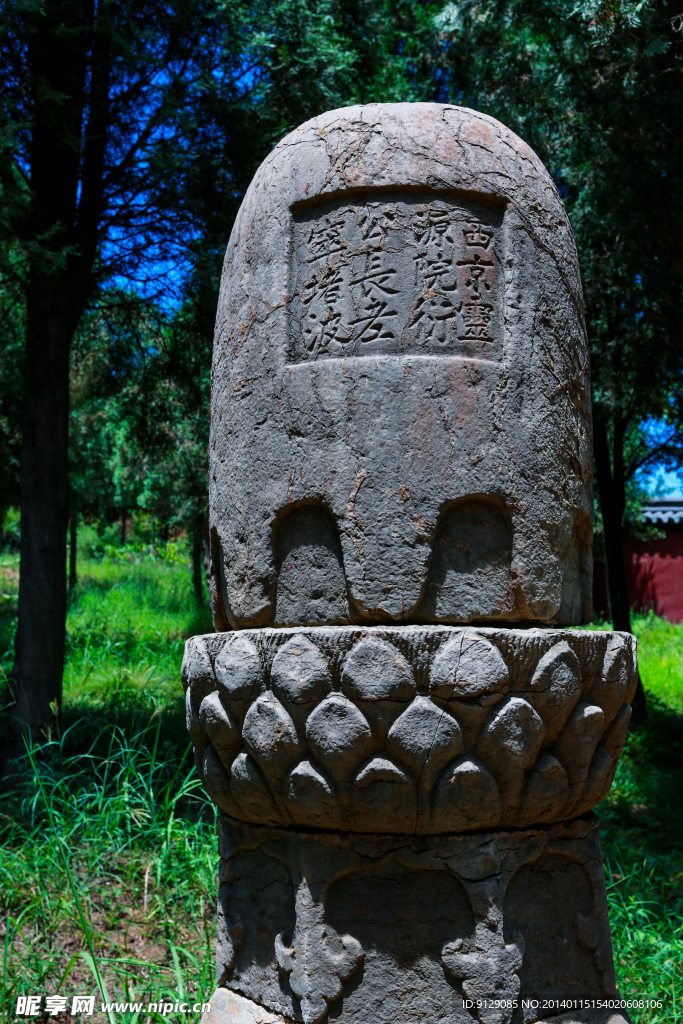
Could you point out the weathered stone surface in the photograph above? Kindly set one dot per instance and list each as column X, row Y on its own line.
column 228, row 1007
column 400, row 412
column 401, row 432
column 388, row 930
column 408, row 729
column 299, row 673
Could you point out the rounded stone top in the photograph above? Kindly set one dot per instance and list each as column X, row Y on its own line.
column 401, row 402
column 437, row 146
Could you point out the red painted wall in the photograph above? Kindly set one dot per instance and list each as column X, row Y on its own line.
column 654, row 574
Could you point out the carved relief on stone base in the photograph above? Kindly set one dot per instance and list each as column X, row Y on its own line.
column 370, row 929
column 408, row 729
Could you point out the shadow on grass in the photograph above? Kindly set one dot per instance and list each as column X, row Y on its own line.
column 86, row 728
column 123, row 741
column 108, row 861
column 642, row 841
column 645, row 801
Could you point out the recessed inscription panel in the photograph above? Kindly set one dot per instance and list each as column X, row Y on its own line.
column 395, row 274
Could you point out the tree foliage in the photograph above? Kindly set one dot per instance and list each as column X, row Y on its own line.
column 128, row 133
column 128, row 136
column 596, row 88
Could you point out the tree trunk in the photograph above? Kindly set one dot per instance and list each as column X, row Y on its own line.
column 612, row 490
column 61, row 229
column 73, row 548
column 39, row 644
column 197, row 556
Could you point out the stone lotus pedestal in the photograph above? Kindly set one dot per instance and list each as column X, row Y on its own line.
column 406, row 833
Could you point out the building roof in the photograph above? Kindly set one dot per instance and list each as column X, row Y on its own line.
column 664, row 511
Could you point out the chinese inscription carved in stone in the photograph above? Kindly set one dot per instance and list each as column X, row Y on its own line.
column 397, row 274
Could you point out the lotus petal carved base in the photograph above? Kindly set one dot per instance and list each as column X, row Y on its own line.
column 377, row 929
column 408, row 729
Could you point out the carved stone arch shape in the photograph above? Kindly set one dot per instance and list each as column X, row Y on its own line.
column 551, row 903
column 218, row 597
column 310, row 582
column 471, row 561
column 246, row 941
column 402, row 917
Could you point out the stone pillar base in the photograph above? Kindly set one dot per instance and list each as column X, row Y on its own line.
column 496, row 927
column 228, row 1007
column 408, row 729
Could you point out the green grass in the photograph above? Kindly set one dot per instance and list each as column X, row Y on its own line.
column 660, row 657
column 129, row 616
column 642, row 841
column 108, row 871
column 642, row 833
column 108, row 854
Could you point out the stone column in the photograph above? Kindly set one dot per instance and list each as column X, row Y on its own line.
column 404, row 742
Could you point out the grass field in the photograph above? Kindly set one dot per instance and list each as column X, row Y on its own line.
column 108, row 856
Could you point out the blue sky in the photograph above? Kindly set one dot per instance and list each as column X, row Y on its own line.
column 664, row 484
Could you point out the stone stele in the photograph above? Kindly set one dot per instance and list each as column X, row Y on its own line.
column 400, row 406
column 405, row 755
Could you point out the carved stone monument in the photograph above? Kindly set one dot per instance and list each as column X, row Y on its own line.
column 404, row 743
